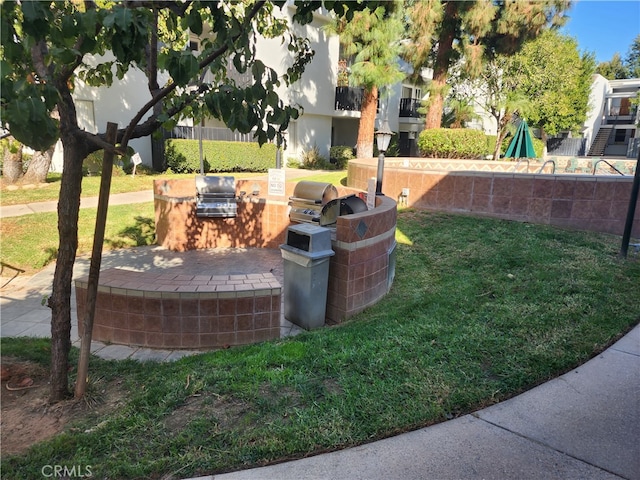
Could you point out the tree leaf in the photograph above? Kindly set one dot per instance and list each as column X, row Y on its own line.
column 194, row 21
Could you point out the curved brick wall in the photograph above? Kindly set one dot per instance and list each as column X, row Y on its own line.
column 586, row 202
column 362, row 269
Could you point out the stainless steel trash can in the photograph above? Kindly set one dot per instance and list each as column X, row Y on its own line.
column 306, row 255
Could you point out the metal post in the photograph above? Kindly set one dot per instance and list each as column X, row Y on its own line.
column 380, row 173
column 278, row 157
column 631, row 211
column 200, row 147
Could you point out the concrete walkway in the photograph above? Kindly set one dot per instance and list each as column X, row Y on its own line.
column 582, row 425
column 87, row 202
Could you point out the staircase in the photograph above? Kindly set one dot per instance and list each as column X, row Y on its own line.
column 600, row 142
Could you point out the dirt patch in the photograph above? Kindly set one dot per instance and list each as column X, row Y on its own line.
column 27, row 417
column 222, row 410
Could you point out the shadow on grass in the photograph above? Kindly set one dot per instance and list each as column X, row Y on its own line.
column 142, row 233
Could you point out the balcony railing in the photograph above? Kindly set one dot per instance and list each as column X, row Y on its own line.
column 409, row 107
column 348, row 98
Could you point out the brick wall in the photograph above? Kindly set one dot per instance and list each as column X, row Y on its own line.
column 585, row 202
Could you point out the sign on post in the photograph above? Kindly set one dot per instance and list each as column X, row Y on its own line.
column 137, row 160
column 276, row 181
column 371, row 194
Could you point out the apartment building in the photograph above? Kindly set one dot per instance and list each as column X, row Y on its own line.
column 330, row 108
column 612, row 126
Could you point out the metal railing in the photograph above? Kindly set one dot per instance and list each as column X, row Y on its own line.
column 552, row 162
column 208, row 133
column 409, row 107
column 348, row 98
column 595, row 166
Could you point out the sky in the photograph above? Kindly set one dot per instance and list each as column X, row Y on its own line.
column 604, row 27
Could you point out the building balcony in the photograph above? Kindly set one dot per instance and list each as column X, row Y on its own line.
column 409, row 107
column 348, row 98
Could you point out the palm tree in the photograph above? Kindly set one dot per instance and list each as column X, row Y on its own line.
column 372, row 36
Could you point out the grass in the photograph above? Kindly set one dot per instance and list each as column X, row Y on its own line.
column 124, row 183
column 336, row 178
column 480, row 310
column 25, row 247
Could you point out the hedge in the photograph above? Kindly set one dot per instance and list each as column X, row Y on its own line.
column 452, row 143
column 183, row 156
column 464, row 143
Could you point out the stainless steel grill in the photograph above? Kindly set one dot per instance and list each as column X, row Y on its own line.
column 216, row 197
column 308, row 199
column 337, row 207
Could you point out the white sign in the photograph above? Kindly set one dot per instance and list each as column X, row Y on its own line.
column 276, row 181
column 371, row 194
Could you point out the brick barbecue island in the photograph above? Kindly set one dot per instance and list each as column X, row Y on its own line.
column 173, row 309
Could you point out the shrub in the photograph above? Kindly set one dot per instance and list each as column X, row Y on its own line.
column 340, row 155
column 183, row 156
column 92, row 164
column 312, row 160
column 452, row 143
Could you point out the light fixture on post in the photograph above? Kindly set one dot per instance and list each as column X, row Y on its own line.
column 383, row 138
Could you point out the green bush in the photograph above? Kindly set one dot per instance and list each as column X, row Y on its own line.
column 312, row 160
column 340, row 155
column 183, row 156
column 452, row 143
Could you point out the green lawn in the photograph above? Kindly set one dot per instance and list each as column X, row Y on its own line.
column 481, row 309
column 25, row 247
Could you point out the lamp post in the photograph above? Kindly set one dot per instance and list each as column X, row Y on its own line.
column 383, row 138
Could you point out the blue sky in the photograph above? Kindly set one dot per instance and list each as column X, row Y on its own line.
column 604, row 27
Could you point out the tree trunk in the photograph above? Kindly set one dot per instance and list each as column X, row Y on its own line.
column 441, row 67
column 367, row 124
column 436, row 101
column 39, row 167
column 502, row 123
column 60, row 300
column 12, row 163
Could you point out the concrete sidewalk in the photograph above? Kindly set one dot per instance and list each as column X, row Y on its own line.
column 87, row 202
column 582, row 425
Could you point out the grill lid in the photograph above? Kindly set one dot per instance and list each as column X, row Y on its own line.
column 341, row 206
column 216, row 197
column 215, row 187
column 313, row 192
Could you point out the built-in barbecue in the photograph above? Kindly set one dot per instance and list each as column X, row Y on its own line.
column 216, row 197
column 317, row 202
column 308, row 199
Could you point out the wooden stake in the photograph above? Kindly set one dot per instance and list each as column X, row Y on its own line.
column 96, row 259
